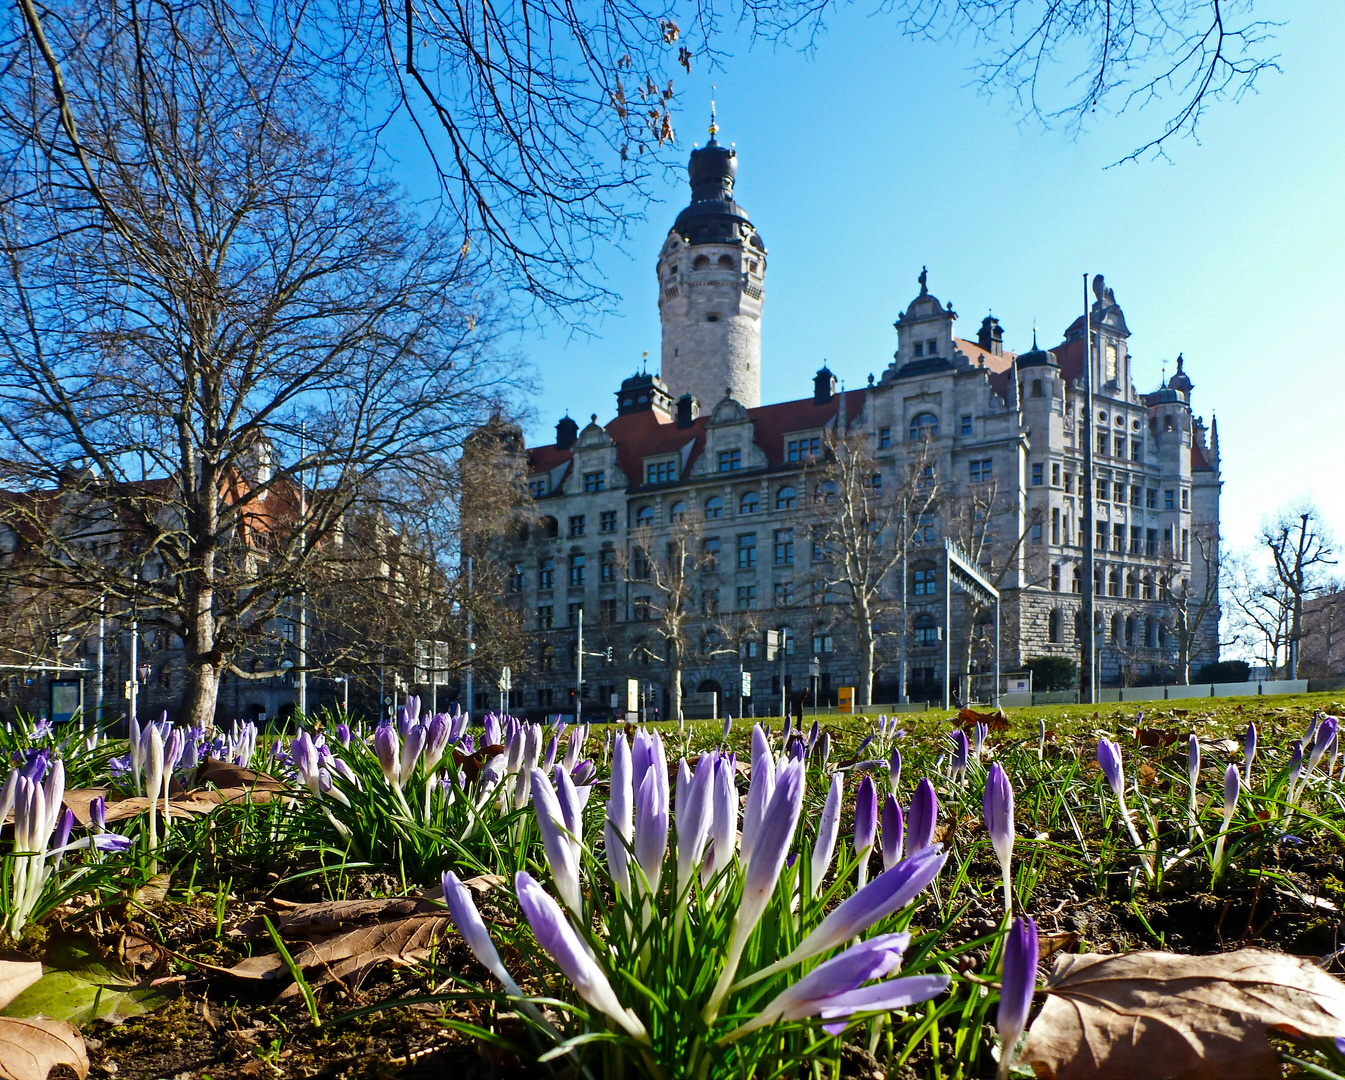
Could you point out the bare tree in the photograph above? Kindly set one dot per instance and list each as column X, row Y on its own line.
column 662, row 569
column 1189, row 608
column 866, row 523
column 216, row 309
column 1261, row 608
column 1300, row 550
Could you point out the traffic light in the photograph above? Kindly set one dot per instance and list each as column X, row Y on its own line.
column 608, row 654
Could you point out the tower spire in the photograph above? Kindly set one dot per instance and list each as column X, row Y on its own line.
column 714, row 125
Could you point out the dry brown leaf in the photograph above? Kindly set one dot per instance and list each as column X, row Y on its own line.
column 30, row 1049
column 318, row 920
column 995, row 721
column 1160, row 1016
column 1155, row 736
column 350, row 954
column 235, row 782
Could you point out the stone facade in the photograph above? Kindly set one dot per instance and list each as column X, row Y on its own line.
column 994, row 421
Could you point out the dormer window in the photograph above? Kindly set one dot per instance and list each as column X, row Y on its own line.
column 924, row 425
column 661, row 472
column 932, row 347
column 919, row 348
column 537, row 488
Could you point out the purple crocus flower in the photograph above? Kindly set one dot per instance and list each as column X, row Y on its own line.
column 759, row 791
column 890, row 891
column 1295, row 771
column 560, row 849
column 304, row 758
column 388, row 748
column 1249, row 751
column 618, row 829
column 894, row 770
column 998, row 806
column 772, row 844
column 922, row 817
column 490, row 731
column 824, row 749
column 828, row 827
column 1017, row 985
column 831, row 990
column 413, row 742
column 960, row 752
column 723, row 820
column 97, row 812
column 584, row 772
column 693, row 819
column 728, row 727
column 463, row 911
column 1326, row 735
column 813, row 733
column 112, row 843
column 979, row 733
column 893, row 832
column 558, row 939
column 343, row 733
column 436, row 741
column 1232, row 784
column 1109, row 758
column 651, row 822
column 64, row 825
column 866, row 815
column 549, row 758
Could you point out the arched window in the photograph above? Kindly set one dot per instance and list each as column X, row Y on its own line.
column 726, row 262
column 1130, row 631
column 546, row 659
column 1114, row 583
column 924, row 425
column 702, row 261
column 1078, row 626
column 1053, row 627
column 1099, row 582
column 1036, row 388
column 678, row 511
column 1116, row 629
column 1132, row 585
column 749, row 504
column 1150, row 633
column 825, row 492
column 1055, row 577
column 785, row 498
column 714, row 507
column 644, row 517
column 1162, row 635
column 548, row 528
column 926, row 629
column 1148, row 586
column 1074, row 585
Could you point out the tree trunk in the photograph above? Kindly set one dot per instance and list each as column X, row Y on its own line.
column 675, row 698
column 866, row 650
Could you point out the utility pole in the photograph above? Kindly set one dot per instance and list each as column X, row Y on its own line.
column 135, row 672
column 1087, row 669
column 579, row 672
column 98, row 690
column 471, row 643
column 301, row 701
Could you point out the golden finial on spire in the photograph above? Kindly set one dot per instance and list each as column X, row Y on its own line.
column 714, row 127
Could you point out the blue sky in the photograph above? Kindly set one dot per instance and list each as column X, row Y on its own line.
column 875, row 156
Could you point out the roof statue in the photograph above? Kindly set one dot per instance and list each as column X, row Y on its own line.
column 924, row 280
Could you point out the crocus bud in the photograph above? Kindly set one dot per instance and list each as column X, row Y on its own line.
column 97, row 812
column 824, row 751
column 998, row 806
column 65, row 823
column 549, row 758
column 1249, row 751
column 436, row 741
column 759, row 791
column 960, row 752
column 343, row 733
column 1193, row 761
column 728, row 727
column 1109, row 758
column 979, row 734
column 772, row 845
column 584, row 773
column 619, row 828
column 922, row 817
column 1018, row 984
column 723, row 820
column 866, row 816
column 560, row 852
column 7, row 794
column 1041, row 736
column 894, row 770
column 813, row 733
column 893, row 832
column 828, row 827
column 463, row 911
column 1326, row 735
column 693, row 821
column 153, row 761
column 651, row 823
column 388, row 748
column 558, row 939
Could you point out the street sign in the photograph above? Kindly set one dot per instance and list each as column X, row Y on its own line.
column 747, row 684
column 506, row 678
column 633, row 696
column 67, row 697
column 616, row 701
column 814, row 667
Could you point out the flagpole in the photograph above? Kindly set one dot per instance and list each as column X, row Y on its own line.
column 1088, row 668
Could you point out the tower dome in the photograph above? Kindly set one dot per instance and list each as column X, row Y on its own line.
column 711, row 275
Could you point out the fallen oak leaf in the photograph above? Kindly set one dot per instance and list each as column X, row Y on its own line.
column 1160, row 1016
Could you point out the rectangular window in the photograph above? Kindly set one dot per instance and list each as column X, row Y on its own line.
column 1136, row 450
column 516, row 577
column 876, row 482
column 537, row 488
column 1055, row 525
column 1135, row 492
column 1102, row 489
column 923, row 527
column 1038, row 471
column 607, row 521
column 660, row 472
column 1036, row 533
column 884, row 438
column 1136, row 540
column 710, row 552
column 576, row 571
column 1120, row 446
column 546, row 617
column 607, row 612
column 710, row 601
column 1118, row 538
column 641, row 609
column 1069, row 483
column 1151, row 499
column 574, row 612
column 784, row 593
column 1118, row 493
column 747, row 598
column 1169, row 499
column 966, row 424
column 730, row 460
column 1167, row 539
column 607, row 565
column 595, row 481
column 925, row 582
column 747, row 551
column 1101, row 542
column 819, row 544
column 1151, row 542
column 932, row 347
column 546, row 573
column 1186, row 544
column 802, row 449
column 1102, row 442
column 1055, row 475
column 639, row 564
column 822, row 644
column 576, row 524
column 784, row 547
column 982, row 470
column 1186, row 498
column 749, row 650
column 919, row 348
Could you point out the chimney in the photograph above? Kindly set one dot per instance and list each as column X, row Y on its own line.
column 687, row 410
column 991, row 336
column 824, row 386
column 567, row 431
